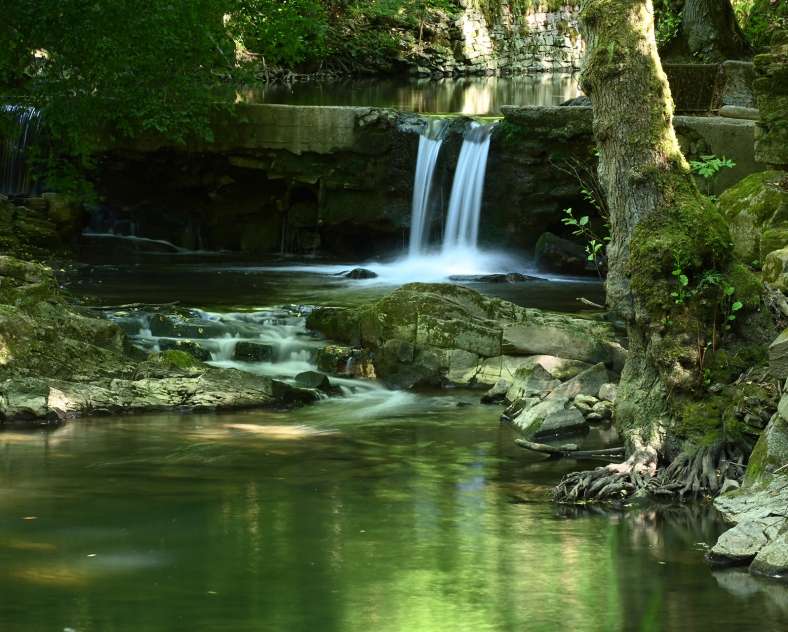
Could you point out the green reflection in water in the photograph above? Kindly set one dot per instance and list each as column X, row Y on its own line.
column 423, row 518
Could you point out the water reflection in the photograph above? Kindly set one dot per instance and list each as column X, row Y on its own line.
column 407, row 522
column 468, row 95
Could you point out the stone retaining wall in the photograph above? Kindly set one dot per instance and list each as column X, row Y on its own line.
column 510, row 42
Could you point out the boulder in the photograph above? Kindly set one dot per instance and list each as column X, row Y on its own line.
column 426, row 333
column 556, row 254
column 585, row 403
column 360, row 273
column 314, row 380
column 552, row 417
column 247, row 351
column 530, row 382
column 772, row 559
column 601, row 412
column 771, row 450
column 586, row 383
column 345, row 361
column 191, row 347
column 608, row 392
column 778, row 356
column 742, row 543
column 757, row 212
column 496, row 394
column 775, row 269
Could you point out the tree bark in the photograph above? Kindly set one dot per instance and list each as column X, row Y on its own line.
column 658, row 221
column 711, row 31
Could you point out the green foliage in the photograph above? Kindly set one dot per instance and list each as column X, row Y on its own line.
column 594, row 243
column 667, row 21
column 764, row 22
column 709, row 166
column 284, row 32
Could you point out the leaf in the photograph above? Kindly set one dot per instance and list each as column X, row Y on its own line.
column 683, row 280
column 584, row 220
column 737, row 306
column 729, row 290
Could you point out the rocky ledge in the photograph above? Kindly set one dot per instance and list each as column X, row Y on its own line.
column 759, row 510
column 555, row 370
column 56, row 363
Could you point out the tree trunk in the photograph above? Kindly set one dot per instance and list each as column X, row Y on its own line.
column 659, row 222
column 711, row 31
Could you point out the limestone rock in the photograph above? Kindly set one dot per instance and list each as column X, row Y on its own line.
column 247, row 351
column 191, row 347
column 757, row 212
column 775, row 269
column 602, row 411
column 530, row 382
column 552, row 417
column 772, row 559
column 585, row 403
column 587, row 383
column 497, row 393
column 770, row 452
column 742, row 543
column 608, row 392
column 778, row 356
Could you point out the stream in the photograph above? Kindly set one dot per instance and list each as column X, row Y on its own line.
column 377, row 510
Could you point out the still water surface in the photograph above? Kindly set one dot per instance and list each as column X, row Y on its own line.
column 381, row 510
column 467, row 95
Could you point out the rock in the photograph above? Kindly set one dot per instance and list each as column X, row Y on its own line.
column 553, row 417
column 757, row 212
column 581, row 101
column 778, row 356
column 770, row 452
column 530, row 382
column 427, row 333
column 511, row 277
column 555, row 254
column 189, row 346
column 316, row 381
column 741, row 544
column 490, row 370
column 246, row 351
column 772, row 559
column 496, row 394
column 608, row 392
column 587, row 383
column 775, row 269
column 360, row 273
column 345, row 361
column 739, row 112
column 585, row 403
column 601, row 412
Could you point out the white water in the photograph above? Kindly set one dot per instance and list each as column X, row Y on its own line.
column 430, row 143
column 462, row 223
column 14, row 170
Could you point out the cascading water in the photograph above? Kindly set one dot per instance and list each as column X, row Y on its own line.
column 430, row 143
column 14, row 170
column 462, row 222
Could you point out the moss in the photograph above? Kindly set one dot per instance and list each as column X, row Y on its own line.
column 175, row 359
column 690, row 233
column 727, row 364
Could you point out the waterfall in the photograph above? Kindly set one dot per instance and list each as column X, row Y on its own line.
column 462, row 223
column 14, row 170
column 430, row 143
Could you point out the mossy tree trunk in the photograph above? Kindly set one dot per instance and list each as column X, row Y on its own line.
column 659, row 222
column 711, row 31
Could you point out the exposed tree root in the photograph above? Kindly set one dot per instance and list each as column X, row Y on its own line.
column 702, row 473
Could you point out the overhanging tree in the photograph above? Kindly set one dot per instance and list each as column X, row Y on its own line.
column 672, row 276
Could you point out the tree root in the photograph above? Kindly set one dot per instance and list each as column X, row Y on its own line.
column 702, row 473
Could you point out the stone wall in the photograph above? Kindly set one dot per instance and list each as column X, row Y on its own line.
column 338, row 181
column 509, row 41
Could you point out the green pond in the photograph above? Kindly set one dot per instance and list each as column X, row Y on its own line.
column 381, row 510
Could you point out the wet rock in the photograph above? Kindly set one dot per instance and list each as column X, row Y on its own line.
column 191, row 347
column 496, row 394
column 511, row 277
column 317, row 381
column 345, row 361
column 246, row 351
column 581, row 101
column 552, row 417
column 360, row 273
column 742, row 543
column 608, row 392
column 556, row 254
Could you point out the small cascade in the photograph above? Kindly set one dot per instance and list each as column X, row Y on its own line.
column 15, row 176
column 462, row 223
column 430, row 143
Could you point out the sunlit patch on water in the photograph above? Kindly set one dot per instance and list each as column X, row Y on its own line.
column 280, row 432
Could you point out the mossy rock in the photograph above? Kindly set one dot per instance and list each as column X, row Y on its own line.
column 770, row 453
column 775, row 269
column 757, row 213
